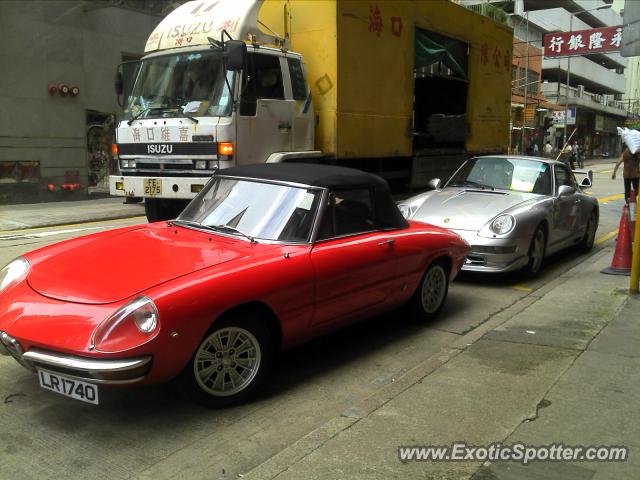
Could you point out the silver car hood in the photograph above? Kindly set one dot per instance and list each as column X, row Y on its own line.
column 467, row 209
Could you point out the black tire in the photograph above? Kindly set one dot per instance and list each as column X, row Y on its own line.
column 207, row 378
column 586, row 243
column 429, row 297
column 158, row 209
column 537, row 250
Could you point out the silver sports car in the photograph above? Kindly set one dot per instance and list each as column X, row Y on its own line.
column 512, row 210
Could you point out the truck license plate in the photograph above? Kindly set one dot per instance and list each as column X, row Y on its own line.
column 152, row 187
column 69, row 387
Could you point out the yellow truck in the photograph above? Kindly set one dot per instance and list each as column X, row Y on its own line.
column 406, row 89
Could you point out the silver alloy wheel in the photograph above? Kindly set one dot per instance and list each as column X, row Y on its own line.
column 537, row 250
column 227, row 361
column 434, row 288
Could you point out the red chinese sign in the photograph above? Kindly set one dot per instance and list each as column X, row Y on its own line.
column 581, row 42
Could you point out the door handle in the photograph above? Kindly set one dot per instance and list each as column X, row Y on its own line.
column 284, row 126
column 386, row 242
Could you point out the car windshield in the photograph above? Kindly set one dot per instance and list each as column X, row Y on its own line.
column 492, row 173
column 178, row 85
column 254, row 209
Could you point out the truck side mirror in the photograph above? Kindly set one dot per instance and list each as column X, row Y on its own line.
column 235, row 52
column 119, row 85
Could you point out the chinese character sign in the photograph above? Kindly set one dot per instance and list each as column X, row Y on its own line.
column 561, row 44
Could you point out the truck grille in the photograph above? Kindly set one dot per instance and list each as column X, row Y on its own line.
column 187, row 148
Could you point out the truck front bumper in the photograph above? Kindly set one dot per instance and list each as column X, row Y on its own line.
column 156, row 187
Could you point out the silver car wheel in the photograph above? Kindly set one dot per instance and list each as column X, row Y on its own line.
column 591, row 230
column 227, row 361
column 434, row 289
column 537, row 250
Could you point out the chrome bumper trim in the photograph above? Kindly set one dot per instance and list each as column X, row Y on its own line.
column 88, row 369
column 94, row 380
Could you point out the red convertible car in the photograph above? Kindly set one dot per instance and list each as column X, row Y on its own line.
column 265, row 257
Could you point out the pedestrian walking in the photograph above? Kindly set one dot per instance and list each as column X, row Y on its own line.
column 548, row 149
column 535, row 150
column 580, row 156
column 630, row 172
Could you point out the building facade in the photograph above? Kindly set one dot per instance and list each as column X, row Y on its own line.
column 589, row 87
column 57, row 92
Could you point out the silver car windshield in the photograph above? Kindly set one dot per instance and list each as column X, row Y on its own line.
column 494, row 173
column 181, row 84
column 254, row 209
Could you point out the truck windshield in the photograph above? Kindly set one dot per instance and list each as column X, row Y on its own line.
column 259, row 210
column 178, row 85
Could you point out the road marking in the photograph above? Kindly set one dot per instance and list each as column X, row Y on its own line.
column 522, row 288
column 21, row 236
column 610, row 198
column 13, row 232
column 606, row 237
column 605, row 171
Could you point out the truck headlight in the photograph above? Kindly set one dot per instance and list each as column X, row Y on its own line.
column 502, row 224
column 127, row 164
column 132, row 325
column 13, row 271
column 201, row 164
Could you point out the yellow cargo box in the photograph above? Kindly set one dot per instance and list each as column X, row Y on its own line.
column 361, row 62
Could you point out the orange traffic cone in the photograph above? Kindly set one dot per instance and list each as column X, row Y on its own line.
column 621, row 263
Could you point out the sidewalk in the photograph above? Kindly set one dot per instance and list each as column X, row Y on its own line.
column 23, row 216
column 552, row 368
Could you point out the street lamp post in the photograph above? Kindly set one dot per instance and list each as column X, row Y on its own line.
column 566, row 103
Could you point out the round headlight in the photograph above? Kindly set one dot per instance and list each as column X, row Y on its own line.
column 13, row 271
column 502, row 224
column 131, row 326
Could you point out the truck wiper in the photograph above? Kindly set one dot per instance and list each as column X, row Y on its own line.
column 136, row 117
column 195, row 120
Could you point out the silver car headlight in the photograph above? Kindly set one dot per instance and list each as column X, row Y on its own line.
column 13, row 271
column 502, row 224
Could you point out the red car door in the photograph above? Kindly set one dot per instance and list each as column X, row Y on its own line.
column 354, row 276
column 354, row 263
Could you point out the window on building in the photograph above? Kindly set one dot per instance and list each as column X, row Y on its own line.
column 533, row 82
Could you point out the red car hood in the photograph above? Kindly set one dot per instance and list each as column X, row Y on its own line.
column 112, row 266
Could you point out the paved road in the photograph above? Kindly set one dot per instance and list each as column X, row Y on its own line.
column 151, row 433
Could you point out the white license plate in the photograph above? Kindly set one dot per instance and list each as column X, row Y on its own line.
column 69, row 387
column 152, row 187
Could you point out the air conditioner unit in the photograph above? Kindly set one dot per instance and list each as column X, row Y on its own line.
column 580, row 91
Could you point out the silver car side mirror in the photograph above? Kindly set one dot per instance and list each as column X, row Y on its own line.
column 565, row 191
column 434, row 184
column 586, row 183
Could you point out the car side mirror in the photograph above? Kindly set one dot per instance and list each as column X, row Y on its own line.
column 565, row 191
column 434, row 184
column 235, row 53
column 586, row 183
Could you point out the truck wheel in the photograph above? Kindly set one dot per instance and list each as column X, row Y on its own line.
column 230, row 363
column 158, row 209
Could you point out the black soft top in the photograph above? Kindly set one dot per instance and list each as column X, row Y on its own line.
column 327, row 176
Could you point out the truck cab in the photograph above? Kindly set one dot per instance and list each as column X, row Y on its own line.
column 186, row 114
